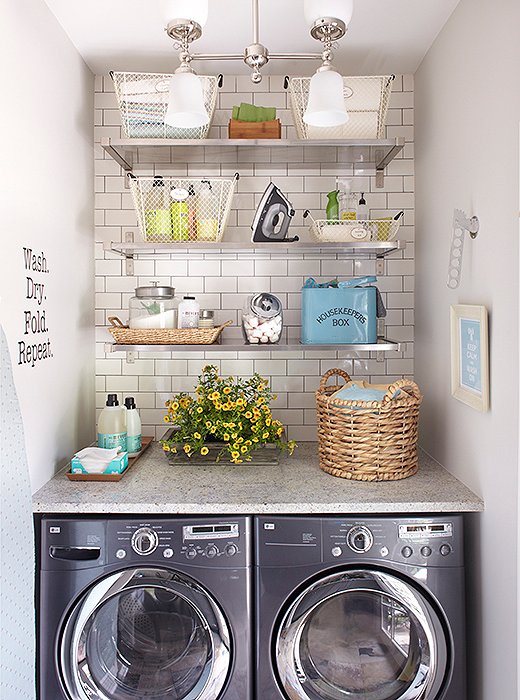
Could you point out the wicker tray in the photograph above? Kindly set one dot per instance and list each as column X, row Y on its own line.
column 123, row 335
column 376, row 443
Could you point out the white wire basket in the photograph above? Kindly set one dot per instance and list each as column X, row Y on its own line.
column 355, row 231
column 143, row 100
column 366, row 101
column 182, row 209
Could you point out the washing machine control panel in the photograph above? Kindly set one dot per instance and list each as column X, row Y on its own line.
column 206, row 542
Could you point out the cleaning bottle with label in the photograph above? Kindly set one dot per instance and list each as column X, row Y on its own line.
column 133, row 427
column 111, row 431
column 157, row 212
column 179, row 212
column 189, row 313
column 207, row 213
column 332, row 206
column 347, row 201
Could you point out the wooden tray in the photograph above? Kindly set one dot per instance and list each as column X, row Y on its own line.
column 254, row 130
column 145, row 442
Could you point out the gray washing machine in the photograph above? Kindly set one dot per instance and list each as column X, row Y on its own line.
column 145, row 608
column 360, row 608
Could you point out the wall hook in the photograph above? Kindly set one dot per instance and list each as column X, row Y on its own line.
column 461, row 223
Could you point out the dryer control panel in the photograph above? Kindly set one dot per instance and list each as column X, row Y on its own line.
column 420, row 541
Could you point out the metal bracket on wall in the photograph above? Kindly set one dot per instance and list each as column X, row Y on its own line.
column 129, row 257
column 380, row 267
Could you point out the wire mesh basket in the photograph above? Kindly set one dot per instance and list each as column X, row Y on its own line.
column 182, row 209
column 143, row 100
column 366, row 101
column 359, row 231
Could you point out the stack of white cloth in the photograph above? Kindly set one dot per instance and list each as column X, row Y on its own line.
column 95, row 460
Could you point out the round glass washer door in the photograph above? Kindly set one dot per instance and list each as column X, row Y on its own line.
column 361, row 635
column 145, row 633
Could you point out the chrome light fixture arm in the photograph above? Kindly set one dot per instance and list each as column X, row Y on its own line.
column 256, row 55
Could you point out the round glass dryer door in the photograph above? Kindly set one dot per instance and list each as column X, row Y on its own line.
column 145, row 633
column 361, row 635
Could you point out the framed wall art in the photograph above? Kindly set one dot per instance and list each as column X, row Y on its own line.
column 470, row 355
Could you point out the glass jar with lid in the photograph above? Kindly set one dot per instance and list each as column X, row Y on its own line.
column 153, row 307
column 262, row 319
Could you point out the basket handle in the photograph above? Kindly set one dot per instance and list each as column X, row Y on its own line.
column 333, row 373
column 226, row 324
column 409, row 384
column 116, row 322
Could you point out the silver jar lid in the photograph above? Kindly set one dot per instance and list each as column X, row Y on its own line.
column 155, row 291
column 206, row 313
column 265, row 305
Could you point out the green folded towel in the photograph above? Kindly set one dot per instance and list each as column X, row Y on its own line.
column 253, row 113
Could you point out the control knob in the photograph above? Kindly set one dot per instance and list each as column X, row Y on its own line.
column 407, row 552
column 336, row 551
column 211, row 551
column 426, row 551
column 360, row 539
column 144, row 541
column 445, row 550
column 231, row 550
column 191, row 553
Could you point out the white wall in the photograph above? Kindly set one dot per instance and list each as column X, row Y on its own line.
column 46, row 188
column 467, row 115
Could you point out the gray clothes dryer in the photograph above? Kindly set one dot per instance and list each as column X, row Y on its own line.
column 360, row 608
column 134, row 609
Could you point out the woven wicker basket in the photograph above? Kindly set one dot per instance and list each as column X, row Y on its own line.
column 379, row 444
column 123, row 335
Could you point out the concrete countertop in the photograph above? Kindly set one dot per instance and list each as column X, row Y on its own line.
column 295, row 485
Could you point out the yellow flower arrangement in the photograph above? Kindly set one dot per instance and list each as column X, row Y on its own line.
column 242, row 420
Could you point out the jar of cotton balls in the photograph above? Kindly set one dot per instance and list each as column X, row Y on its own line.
column 262, row 319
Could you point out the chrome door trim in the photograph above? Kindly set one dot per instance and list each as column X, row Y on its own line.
column 428, row 679
column 216, row 670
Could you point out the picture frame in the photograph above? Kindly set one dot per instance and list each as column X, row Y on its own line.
column 470, row 355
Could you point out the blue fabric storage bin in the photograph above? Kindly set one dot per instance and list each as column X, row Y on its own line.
column 335, row 316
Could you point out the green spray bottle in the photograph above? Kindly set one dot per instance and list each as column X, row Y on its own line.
column 332, row 206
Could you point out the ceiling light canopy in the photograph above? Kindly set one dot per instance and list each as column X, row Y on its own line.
column 196, row 10
column 328, row 21
column 319, row 9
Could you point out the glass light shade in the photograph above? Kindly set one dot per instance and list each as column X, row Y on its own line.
column 186, row 102
column 326, row 105
column 340, row 9
column 197, row 10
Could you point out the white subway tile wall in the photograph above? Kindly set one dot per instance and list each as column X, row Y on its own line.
column 224, row 282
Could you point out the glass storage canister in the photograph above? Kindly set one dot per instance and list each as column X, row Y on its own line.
column 153, row 307
column 262, row 318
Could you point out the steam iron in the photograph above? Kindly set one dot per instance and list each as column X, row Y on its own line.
column 272, row 218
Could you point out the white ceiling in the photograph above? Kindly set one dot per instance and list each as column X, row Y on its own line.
column 385, row 36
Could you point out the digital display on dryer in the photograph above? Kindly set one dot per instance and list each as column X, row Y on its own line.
column 425, row 530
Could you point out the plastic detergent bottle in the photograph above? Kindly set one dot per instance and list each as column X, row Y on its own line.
column 332, row 206
column 157, row 212
column 133, row 427
column 111, row 431
column 207, row 213
column 179, row 211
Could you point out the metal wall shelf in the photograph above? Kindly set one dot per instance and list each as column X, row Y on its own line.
column 373, row 249
column 362, row 153
column 234, row 345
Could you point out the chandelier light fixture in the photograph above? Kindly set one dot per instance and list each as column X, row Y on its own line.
column 328, row 22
